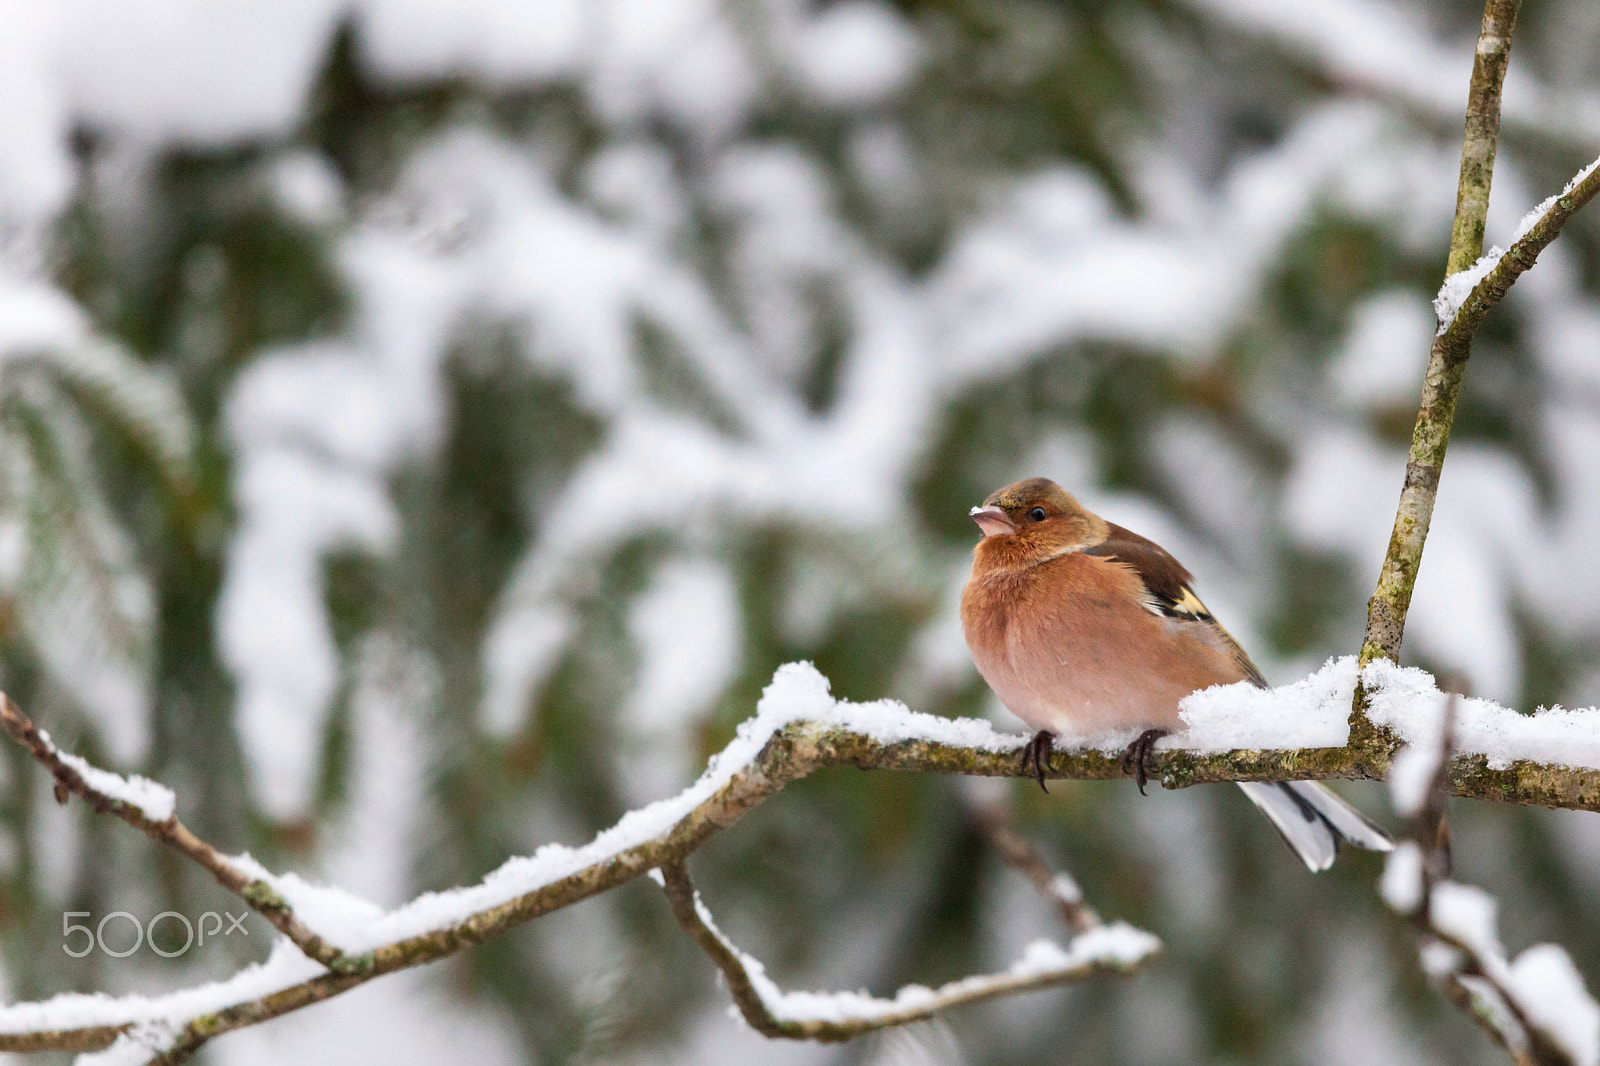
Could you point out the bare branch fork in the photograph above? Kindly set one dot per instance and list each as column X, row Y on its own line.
column 1447, row 360
column 1473, row 286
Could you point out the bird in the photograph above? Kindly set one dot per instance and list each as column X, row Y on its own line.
column 1081, row 626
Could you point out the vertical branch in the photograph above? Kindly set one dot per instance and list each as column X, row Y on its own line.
column 1386, row 611
column 1482, row 133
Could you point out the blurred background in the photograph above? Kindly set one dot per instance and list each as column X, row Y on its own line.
column 424, row 427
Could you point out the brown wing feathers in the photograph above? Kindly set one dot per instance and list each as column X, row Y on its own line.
column 1169, row 584
column 1163, row 575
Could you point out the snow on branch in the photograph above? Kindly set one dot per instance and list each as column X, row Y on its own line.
column 1235, row 733
column 798, row 728
column 1467, row 295
column 1536, row 1007
column 151, row 808
column 833, row 1016
column 79, row 1022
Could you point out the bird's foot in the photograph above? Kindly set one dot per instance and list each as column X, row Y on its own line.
column 1136, row 760
column 1036, row 753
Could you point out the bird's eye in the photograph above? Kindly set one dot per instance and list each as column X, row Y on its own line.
column 1036, row 515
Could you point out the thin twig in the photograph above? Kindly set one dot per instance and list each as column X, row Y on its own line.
column 831, row 1020
column 171, row 832
column 1512, row 264
column 682, row 896
column 1527, row 1044
column 1429, row 827
column 997, row 823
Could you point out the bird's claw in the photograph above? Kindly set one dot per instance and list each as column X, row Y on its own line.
column 1036, row 754
column 1136, row 760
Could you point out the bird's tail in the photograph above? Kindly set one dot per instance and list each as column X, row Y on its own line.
column 1314, row 821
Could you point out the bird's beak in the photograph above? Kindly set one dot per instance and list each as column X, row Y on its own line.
column 992, row 521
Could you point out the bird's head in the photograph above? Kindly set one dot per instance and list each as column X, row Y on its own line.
column 1034, row 520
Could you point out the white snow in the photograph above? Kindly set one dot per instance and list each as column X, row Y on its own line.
column 518, row 44
column 1374, row 48
column 1219, row 483
column 677, row 59
column 1383, row 355
column 686, row 626
column 1340, row 498
column 1014, row 285
column 854, row 53
column 74, row 1010
column 1469, row 915
column 1407, row 701
column 1311, row 713
column 1529, row 220
column 1363, row 42
column 135, row 1047
column 36, row 173
column 190, row 70
column 1458, row 286
column 295, row 504
column 1120, row 944
column 308, row 188
column 1401, row 885
column 1411, row 774
column 1062, row 887
column 156, row 801
column 1551, row 991
column 407, row 1017
column 678, row 473
column 1543, row 981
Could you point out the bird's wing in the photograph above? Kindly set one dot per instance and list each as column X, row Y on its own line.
column 1169, row 587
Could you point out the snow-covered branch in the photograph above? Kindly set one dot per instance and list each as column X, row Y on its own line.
column 151, row 808
column 1234, row 733
column 1113, row 949
column 1536, row 1007
column 799, row 728
column 1467, row 295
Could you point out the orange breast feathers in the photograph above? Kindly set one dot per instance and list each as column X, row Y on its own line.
column 1069, row 645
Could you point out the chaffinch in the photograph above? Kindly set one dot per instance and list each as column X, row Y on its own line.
column 1082, row 626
